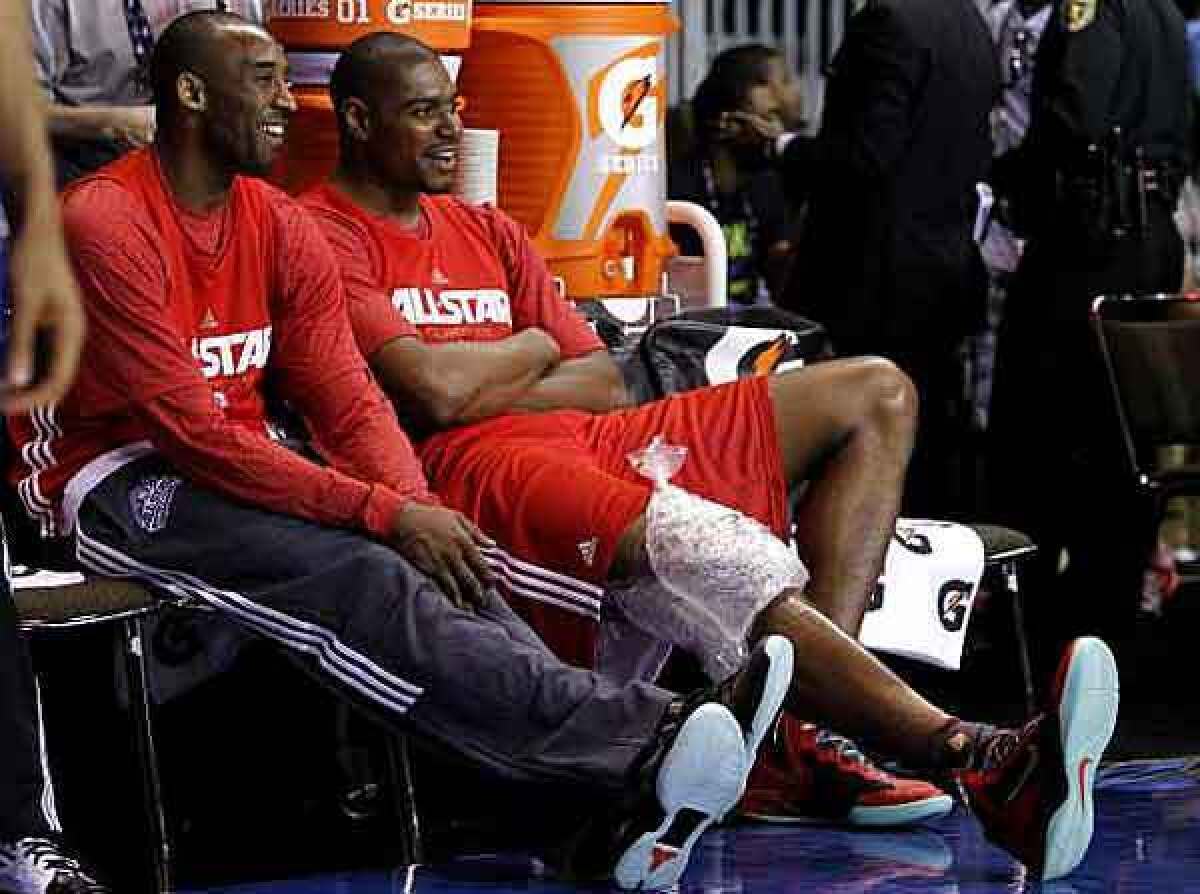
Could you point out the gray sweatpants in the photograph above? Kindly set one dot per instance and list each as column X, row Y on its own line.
column 481, row 684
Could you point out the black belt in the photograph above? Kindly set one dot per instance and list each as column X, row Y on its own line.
column 1161, row 179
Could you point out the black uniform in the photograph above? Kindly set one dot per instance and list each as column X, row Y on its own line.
column 886, row 261
column 1094, row 186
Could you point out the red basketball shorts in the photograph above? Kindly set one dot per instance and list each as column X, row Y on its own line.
column 556, row 489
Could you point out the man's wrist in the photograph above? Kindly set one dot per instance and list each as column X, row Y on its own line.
column 383, row 505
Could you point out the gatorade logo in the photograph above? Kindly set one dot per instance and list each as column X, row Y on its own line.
column 402, row 12
column 745, row 350
column 954, row 600
column 628, row 102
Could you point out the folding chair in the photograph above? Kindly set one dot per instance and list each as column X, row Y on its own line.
column 1004, row 549
column 125, row 605
column 1150, row 346
column 57, row 608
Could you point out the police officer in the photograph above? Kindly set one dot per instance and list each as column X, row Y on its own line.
column 1094, row 187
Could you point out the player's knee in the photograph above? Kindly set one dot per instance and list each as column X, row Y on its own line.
column 889, row 397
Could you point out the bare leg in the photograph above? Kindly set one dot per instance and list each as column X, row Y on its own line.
column 837, row 683
column 846, row 427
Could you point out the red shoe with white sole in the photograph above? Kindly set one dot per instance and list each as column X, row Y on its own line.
column 809, row 774
column 1032, row 788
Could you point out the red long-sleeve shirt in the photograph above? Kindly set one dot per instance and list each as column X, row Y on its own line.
column 188, row 317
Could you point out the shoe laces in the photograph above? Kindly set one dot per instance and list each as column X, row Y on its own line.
column 846, row 752
column 997, row 749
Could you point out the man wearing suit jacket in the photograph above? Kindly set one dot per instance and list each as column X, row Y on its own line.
column 887, row 261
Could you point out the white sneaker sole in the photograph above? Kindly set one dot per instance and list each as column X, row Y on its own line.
column 1087, row 715
column 901, row 814
column 883, row 816
column 701, row 778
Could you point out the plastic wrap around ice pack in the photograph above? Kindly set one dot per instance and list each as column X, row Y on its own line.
column 714, row 568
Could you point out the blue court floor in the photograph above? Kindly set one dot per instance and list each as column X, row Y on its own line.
column 1147, row 840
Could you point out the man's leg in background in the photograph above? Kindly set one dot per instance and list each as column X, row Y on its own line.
column 26, row 800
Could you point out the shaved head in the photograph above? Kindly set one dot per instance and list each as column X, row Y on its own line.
column 398, row 115
column 371, row 63
column 196, row 43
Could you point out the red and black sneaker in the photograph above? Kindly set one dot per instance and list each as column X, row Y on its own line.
column 1032, row 788
column 810, row 774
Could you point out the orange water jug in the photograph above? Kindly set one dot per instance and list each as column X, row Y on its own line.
column 578, row 93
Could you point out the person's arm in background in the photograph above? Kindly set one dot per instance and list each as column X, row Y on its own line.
column 433, row 386
column 127, row 126
column 879, row 78
column 45, row 297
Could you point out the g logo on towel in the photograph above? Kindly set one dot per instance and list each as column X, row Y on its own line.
column 954, row 598
column 913, row 541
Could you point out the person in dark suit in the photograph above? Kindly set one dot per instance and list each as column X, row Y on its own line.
column 886, row 260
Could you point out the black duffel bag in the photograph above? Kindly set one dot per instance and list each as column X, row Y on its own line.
column 716, row 345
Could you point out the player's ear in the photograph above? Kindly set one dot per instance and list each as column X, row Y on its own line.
column 356, row 118
column 190, row 92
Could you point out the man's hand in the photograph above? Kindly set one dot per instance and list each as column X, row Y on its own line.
column 130, row 126
column 445, row 545
column 749, row 129
column 45, row 299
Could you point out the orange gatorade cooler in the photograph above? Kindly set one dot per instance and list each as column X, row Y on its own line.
column 578, row 93
column 313, row 32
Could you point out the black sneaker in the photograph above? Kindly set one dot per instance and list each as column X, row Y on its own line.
column 689, row 777
column 41, row 866
column 756, row 693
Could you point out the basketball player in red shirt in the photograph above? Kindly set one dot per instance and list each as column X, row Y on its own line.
column 200, row 284
column 462, row 325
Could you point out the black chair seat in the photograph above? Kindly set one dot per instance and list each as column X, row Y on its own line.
column 94, row 600
column 1002, row 544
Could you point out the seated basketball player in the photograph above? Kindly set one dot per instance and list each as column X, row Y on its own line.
column 461, row 324
column 200, row 283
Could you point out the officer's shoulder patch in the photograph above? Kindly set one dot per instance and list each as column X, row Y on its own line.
column 1078, row 14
